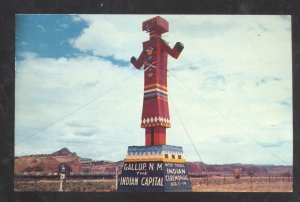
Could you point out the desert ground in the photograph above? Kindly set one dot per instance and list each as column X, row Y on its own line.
column 211, row 184
column 245, row 184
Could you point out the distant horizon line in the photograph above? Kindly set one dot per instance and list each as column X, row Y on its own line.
column 111, row 161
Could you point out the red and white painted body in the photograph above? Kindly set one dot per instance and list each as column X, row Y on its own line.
column 154, row 60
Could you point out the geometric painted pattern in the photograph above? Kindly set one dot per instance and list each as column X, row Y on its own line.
column 155, row 92
column 155, row 108
column 155, row 85
column 165, row 153
column 156, row 121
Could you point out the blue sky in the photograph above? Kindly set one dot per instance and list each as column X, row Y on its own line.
column 48, row 36
column 232, row 86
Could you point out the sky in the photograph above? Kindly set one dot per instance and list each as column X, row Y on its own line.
column 230, row 91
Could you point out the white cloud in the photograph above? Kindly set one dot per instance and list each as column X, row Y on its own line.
column 232, row 85
column 110, row 36
column 41, row 28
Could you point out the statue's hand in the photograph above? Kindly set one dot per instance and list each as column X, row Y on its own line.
column 133, row 60
column 178, row 46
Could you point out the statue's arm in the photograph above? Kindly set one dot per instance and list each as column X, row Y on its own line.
column 175, row 52
column 137, row 63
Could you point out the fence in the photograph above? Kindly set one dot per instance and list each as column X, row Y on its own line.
column 219, row 180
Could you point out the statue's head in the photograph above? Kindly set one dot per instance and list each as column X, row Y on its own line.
column 156, row 26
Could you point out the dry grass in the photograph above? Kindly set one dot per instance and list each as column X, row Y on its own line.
column 230, row 184
column 215, row 184
column 69, row 186
column 36, row 185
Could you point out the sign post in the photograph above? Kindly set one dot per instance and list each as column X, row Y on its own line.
column 117, row 177
column 62, row 178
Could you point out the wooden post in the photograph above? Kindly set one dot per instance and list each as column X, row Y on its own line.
column 117, row 176
column 206, row 179
column 60, row 185
column 62, row 177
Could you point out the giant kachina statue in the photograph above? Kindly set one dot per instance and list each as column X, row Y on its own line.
column 155, row 166
column 154, row 59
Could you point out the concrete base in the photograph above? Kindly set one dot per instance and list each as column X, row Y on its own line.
column 159, row 168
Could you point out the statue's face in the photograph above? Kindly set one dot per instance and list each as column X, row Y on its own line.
column 156, row 25
column 149, row 25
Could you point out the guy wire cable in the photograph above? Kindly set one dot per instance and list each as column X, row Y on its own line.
column 226, row 118
column 188, row 134
column 77, row 109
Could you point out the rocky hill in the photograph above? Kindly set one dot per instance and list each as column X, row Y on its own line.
column 50, row 163
column 64, row 152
